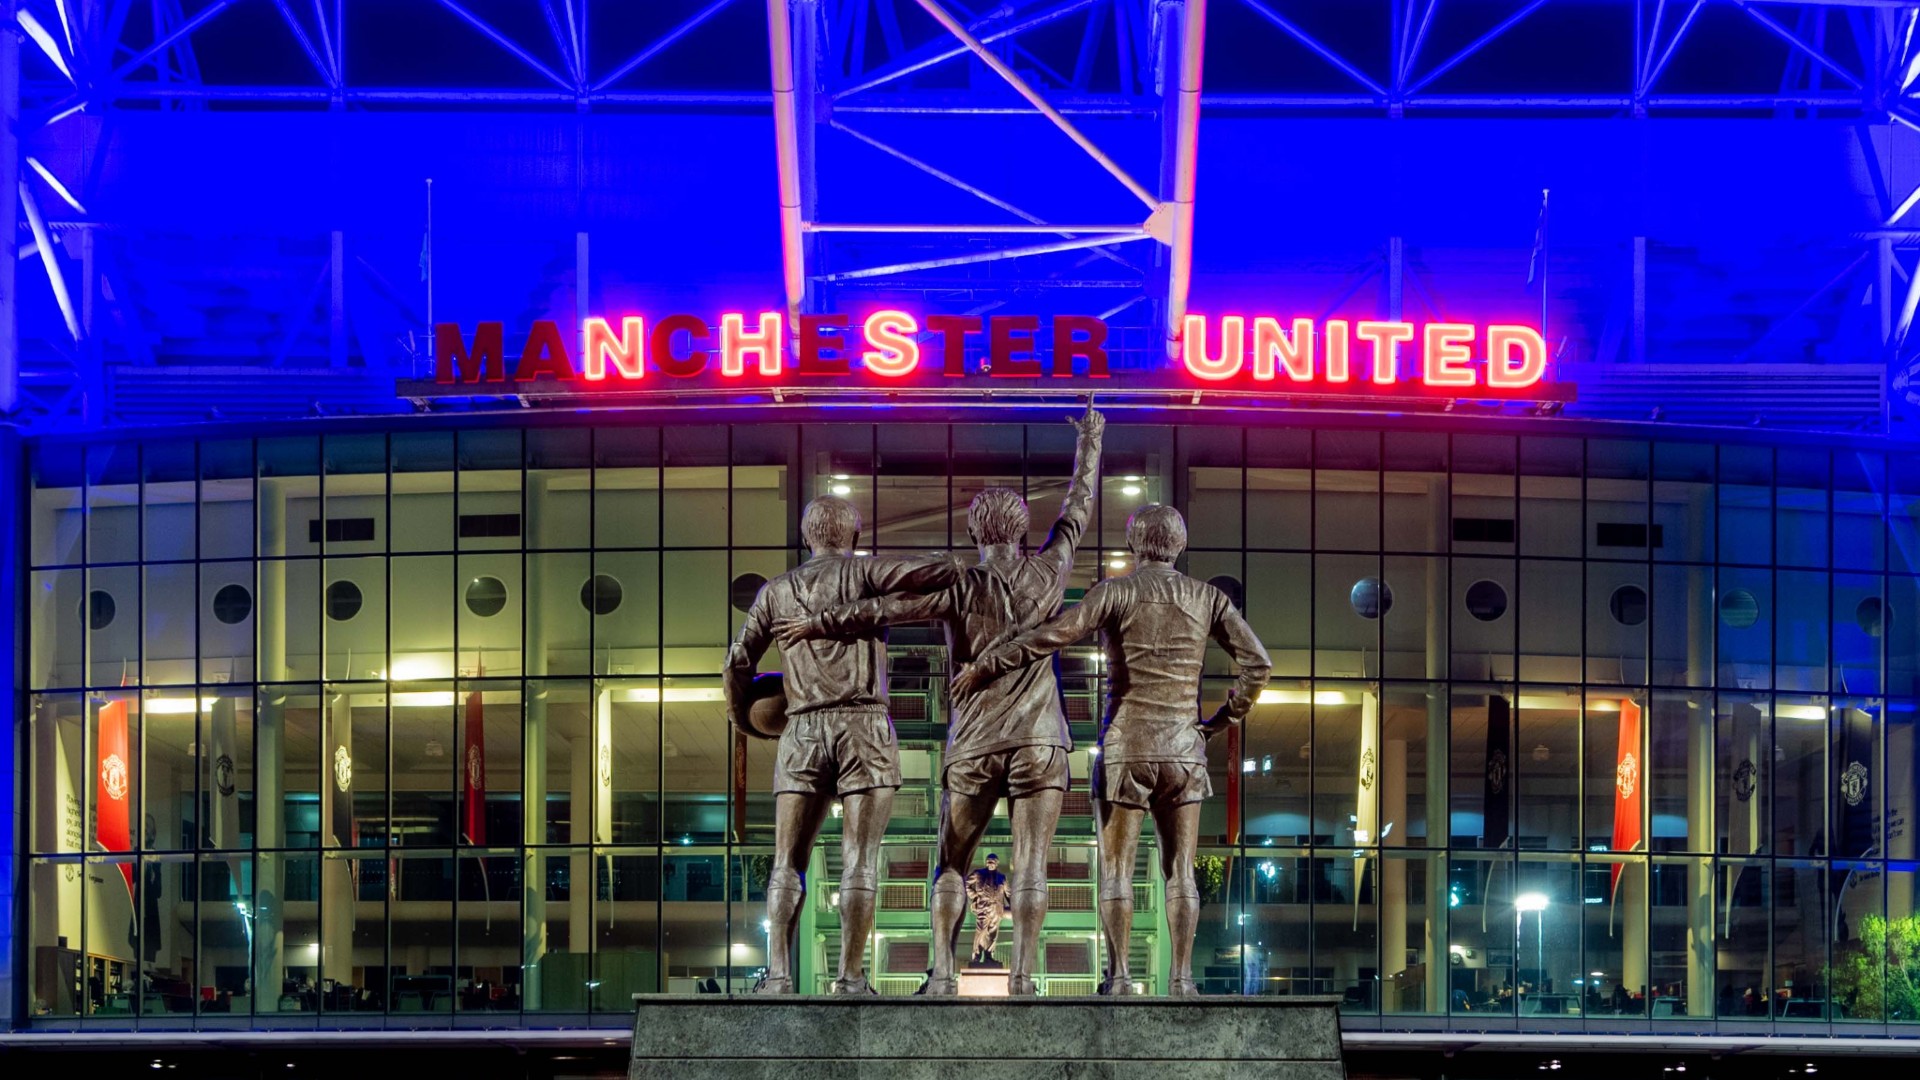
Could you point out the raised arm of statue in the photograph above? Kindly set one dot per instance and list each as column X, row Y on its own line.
column 1076, row 510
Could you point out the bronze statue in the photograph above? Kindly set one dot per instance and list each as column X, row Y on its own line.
column 838, row 739
column 987, row 892
column 1008, row 739
column 1155, row 623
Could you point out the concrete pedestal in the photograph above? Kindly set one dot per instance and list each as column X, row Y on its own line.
column 827, row 1038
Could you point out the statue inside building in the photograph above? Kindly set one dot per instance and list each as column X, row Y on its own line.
column 836, row 739
column 1008, row 738
column 1154, row 623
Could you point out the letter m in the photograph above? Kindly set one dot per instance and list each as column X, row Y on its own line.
column 454, row 363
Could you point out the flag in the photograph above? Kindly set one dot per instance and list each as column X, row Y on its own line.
column 223, row 772
column 1497, row 791
column 603, row 769
column 1537, row 261
column 1854, row 820
column 113, row 817
column 339, row 787
column 1366, row 811
column 1627, row 773
column 1743, row 784
column 474, row 758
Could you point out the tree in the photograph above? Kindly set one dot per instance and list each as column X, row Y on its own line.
column 1878, row 975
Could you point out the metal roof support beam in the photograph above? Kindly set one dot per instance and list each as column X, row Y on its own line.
column 1659, row 66
column 9, row 212
column 1316, row 47
column 1020, row 87
column 940, row 56
column 1793, row 40
column 1185, row 35
column 327, row 74
column 1476, row 45
column 179, row 32
column 987, row 256
column 689, row 26
column 506, row 43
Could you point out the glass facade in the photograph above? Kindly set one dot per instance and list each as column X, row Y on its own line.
column 423, row 726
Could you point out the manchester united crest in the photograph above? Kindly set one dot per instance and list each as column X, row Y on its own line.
column 1366, row 770
column 1626, row 778
column 476, row 768
column 223, row 775
column 1853, row 784
column 342, row 768
column 1745, row 777
column 1497, row 772
column 606, row 766
column 113, row 776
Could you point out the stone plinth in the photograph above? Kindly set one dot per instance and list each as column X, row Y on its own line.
column 709, row 1037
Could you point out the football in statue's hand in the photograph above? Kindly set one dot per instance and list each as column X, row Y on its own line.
column 766, row 706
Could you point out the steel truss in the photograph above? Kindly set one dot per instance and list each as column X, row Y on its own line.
column 848, row 63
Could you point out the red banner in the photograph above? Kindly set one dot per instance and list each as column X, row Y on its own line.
column 1627, row 775
column 113, row 819
column 473, row 758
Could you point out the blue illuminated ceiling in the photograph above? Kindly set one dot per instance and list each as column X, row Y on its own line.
column 233, row 191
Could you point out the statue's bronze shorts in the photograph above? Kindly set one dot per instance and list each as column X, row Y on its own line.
column 837, row 752
column 1013, row 772
column 1144, row 784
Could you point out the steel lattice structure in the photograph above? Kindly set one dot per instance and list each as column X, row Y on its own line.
column 837, row 69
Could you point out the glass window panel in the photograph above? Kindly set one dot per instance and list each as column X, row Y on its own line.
column 1279, row 610
column 1279, row 887
column 695, row 608
column 223, row 971
column 1858, row 777
column 353, row 934
column 1550, row 495
column 911, row 488
column 1211, row 459
column 1744, row 617
column 1891, row 940
column 167, row 610
column 491, row 601
column 59, row 614
column 1482, row 648
column 289, row 492
column 1346, row 490
column 422, row 617
column 288, row 741
column 1414, row 630
column 1800, row 775
column 168, row 798
column 1547, row 771
column 291, row 601
column 421, row 972
column 1547, row 917
column 1548, row 633
column 59, row 817
column 113, row 503
column 1349, row 597
column 1683, row 617
column 112, row 936
column 626, row 487
column 284, row 917
column 490, row 766
column 1901, row 622
column 562, row 595
column 1801, row 634
column 112, row 615
column 1617, row 630
column 1903, row 513
column 1859, row 507
column 226, row 499
column 1346, row 939
column 763, row 486
column 1682, row 930
column 1859, row 629
column 694, row 487
column 58, row 486
column 1742, row 893
column 747, row 946
column 1481, row 935
column 626, row 947
column 1744, row 773
column 226, row 621
column 1680, row 749
column 1412, row 892
column 556, row 965
column 426, row 747
column 1279, row 488
column 1275, row 765
column 356, row 493
column 1049, row 464
column 487, row 980
column 1746, row 504
column 1132, row 474
column 1800, row 933
column 1617, row 525
column 355, row 624
column 489, row 491
column 984, row 456
column 693, row 923
column 1416, row 494
column 626, row 635
column 559, row 483
column 696, row 743
column 55, row 975
column 422, row 484
column 1343, row 813
column 168, row 473
column 1855, row 937
column 226, row 769
column 356, row 722
column 1801, row 506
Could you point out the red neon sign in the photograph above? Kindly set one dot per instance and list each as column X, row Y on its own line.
column 1258, row 352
